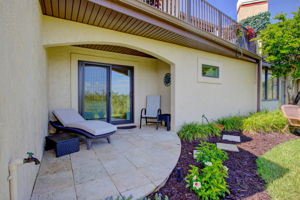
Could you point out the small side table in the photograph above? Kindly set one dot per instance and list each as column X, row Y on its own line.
column 63, row 144
column 166, row 118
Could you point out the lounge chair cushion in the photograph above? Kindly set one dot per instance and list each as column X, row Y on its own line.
column 95, row 127
column 67, row 116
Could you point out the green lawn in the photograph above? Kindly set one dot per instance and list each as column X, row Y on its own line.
column 280, row 168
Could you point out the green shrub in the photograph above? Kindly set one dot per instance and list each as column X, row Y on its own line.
column 194, row 130
column 231, row 123
column 210, row 184
column 209, row 153
column 265, row 122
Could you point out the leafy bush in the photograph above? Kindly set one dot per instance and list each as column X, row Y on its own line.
column 266, row 122
column 231, row 123
column 210, row 184
column 209, row 153
column 194, row 130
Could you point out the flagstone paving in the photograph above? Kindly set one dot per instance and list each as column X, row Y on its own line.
column 228, row 147
column 231, row 138
column 136, row 162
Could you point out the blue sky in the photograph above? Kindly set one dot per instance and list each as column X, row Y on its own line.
column 275, row 6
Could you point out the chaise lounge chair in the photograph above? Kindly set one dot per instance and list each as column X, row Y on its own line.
column 152, row 110
column 69, row 120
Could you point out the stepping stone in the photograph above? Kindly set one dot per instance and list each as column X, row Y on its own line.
column 228, row 147
column 195, row 153
column 232, row 138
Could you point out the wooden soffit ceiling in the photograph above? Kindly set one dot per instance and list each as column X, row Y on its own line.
column 116, row 16
column 115, row 49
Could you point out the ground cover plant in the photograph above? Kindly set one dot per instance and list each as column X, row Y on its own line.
column 280, row 169
column 208, row 182
column 195, row 130
column 266, row 122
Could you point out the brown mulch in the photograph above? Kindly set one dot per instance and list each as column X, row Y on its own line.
column 243, row 181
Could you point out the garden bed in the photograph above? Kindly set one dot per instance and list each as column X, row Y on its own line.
column 243, row 181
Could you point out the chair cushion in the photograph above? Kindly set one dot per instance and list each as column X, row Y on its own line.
column 95, row 127
column 67, row 116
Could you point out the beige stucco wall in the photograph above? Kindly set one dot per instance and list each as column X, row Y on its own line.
column 191, row 97
column 248, row 11
column 63, row 76
column 23, row 92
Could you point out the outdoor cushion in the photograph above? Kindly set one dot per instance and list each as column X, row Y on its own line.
column 95, row 127
column 67, row 116
column 153, row 104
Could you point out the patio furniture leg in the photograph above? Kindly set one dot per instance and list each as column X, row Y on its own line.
column 88, row 143
column 108, row 139
column 141, row 122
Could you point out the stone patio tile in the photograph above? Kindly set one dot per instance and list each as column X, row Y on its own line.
column 118, row 165
column 62, row 194
column 139, row 192
column 108, row 156
column 121, row 145
column 232, row 138
column 97, row 189
column 228, row 147
column 129, row 180
column 53, row 182
column 156, row 171
column 89, row 172
column 55, row 166
column 84, row 157
column 49, row 156
column 137, row 157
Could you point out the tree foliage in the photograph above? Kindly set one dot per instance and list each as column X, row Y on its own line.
column 281, row 48
column 257, row 22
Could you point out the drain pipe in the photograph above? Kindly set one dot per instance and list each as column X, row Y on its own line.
column 12, row 178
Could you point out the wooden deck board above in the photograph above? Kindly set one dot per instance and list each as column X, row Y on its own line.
column 113, row 16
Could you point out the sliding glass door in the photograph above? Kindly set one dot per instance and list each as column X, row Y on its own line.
column 106, row 92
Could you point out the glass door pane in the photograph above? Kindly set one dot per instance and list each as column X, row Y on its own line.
column 95, row 92
column 121, row 94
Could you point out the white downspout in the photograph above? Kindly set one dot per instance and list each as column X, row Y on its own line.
column 12, row 178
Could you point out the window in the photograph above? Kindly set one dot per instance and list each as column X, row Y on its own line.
column 210, row 71
column 270, row 85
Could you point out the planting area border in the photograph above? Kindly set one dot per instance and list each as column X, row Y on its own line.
column 243, row 181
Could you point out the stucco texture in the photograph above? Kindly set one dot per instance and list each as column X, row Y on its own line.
column 234, row 94
column 23, row 92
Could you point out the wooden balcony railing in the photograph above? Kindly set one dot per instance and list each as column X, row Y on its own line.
column 206, row 17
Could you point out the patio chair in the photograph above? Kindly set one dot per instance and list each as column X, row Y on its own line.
column 292, row 113
column 152, row 110
column 70, row 120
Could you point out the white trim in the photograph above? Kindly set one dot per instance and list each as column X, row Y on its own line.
column 245, row 2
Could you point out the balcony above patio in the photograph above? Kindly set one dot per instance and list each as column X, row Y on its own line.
column 191, row 23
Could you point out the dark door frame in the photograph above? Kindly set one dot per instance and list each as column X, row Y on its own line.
column 82, row 64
